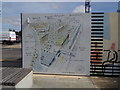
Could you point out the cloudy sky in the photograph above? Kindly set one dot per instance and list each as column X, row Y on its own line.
column 11, row 10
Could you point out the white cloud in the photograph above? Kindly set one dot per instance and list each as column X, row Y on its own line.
column 79, row 9
column 54, row 5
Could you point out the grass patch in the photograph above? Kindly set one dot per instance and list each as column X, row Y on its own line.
column 60, row 41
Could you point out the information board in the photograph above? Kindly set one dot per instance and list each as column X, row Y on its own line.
column 57, row 43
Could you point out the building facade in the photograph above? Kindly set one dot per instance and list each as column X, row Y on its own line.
column 118, row 7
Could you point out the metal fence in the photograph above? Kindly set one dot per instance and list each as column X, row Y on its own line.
column 99, row 67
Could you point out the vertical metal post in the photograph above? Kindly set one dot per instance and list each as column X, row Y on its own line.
column 21, row 41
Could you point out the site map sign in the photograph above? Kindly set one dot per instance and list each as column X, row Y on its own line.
column 57, row 43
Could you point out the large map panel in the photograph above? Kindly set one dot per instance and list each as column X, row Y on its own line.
column 57, row 43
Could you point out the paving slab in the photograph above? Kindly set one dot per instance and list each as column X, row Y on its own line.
column 105, row 82
column 57, row 81
column 61, row 81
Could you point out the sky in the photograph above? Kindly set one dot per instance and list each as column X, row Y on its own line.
column 58, row 0
column 11, row 10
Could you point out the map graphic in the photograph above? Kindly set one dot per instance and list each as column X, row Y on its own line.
column 57, row 43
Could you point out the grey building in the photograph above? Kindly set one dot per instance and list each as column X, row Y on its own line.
column 118, row 7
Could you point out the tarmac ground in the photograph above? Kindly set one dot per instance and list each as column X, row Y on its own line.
column 11, row 57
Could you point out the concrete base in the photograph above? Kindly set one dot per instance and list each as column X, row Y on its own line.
column 59, row 81
column 16, row 78
column 26, row 82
